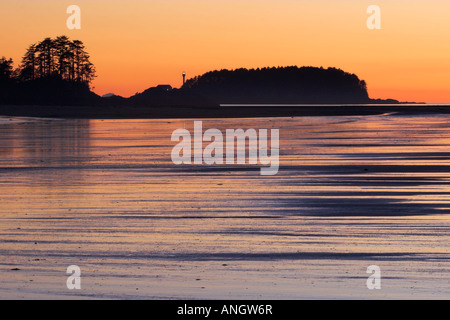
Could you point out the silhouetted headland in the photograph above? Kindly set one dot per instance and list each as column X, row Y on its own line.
column 54, row 77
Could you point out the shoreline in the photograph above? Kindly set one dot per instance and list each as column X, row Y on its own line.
column 235, row 111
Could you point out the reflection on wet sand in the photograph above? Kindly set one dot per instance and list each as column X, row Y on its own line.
column 28, row 143
column 104, row 195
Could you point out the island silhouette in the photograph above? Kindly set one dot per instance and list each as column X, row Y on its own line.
column 55, row 75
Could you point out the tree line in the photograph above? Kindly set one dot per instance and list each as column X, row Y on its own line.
column 54, row 71
column 58, row 58
column 58, row 71
column 290, row 84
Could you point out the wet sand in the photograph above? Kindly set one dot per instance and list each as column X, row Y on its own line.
column 352, row 191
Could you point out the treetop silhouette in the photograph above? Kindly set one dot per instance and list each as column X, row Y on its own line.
column 6, row 69
column 59, row 57
column 280, row 84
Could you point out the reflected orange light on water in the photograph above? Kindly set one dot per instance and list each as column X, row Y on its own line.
column 139, row 44
column 104, row 194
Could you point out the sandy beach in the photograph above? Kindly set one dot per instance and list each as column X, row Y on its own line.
column 352, row 191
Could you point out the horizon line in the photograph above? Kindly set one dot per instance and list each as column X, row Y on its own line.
column 327, row 104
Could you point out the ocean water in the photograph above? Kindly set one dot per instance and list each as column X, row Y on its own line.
column 104, row 195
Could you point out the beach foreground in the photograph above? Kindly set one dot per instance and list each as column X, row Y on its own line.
column 352, row 191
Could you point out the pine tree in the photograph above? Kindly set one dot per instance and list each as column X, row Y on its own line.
column 6, row 69
column 59, row 57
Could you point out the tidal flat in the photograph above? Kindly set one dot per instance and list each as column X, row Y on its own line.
column 351, row 191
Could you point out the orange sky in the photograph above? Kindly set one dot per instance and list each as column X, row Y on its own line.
column 138, row 44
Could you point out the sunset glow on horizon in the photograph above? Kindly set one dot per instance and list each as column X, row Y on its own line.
column 139, row 44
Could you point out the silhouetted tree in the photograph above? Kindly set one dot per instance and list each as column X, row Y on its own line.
column 57, row 57
column 28, row 70
column 7, row 79
column 6, row 69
